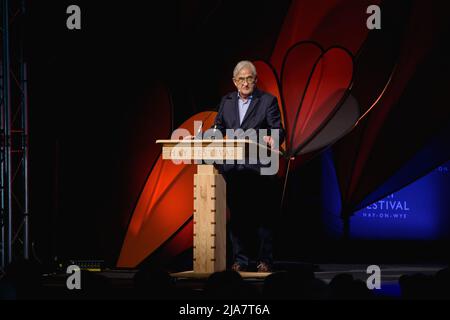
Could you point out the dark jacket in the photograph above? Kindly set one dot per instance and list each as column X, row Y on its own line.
column 263, row 113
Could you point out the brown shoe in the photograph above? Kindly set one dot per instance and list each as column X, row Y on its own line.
column 264, row 267
column 238, row 267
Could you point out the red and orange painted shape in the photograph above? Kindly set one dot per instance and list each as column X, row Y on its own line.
column 164, row 207
column 310, row 72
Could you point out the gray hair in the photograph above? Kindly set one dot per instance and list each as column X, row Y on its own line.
column 244, row 64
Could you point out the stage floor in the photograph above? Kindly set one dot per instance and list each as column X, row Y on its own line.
column 390, row 274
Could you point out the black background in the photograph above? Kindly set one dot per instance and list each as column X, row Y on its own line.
column 86, row 93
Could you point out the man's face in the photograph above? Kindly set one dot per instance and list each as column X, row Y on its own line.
column 245, row 82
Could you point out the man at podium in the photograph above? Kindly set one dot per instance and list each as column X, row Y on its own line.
column 253, row 198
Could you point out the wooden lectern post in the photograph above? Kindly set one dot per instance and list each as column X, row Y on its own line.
column 209, row 220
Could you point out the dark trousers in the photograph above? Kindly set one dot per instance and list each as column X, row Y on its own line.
column 253, row 201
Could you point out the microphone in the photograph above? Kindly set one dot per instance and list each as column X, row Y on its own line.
column 217, row 123
column 199, row 130
column 216, row 127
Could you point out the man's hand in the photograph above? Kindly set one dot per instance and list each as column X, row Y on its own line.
column 268, row 140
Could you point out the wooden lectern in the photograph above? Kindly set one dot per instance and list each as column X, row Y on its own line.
column 209, row 195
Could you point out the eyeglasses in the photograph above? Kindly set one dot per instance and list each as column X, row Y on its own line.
column 249, row 80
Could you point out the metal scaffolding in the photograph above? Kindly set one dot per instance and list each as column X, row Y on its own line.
column 14, row 180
